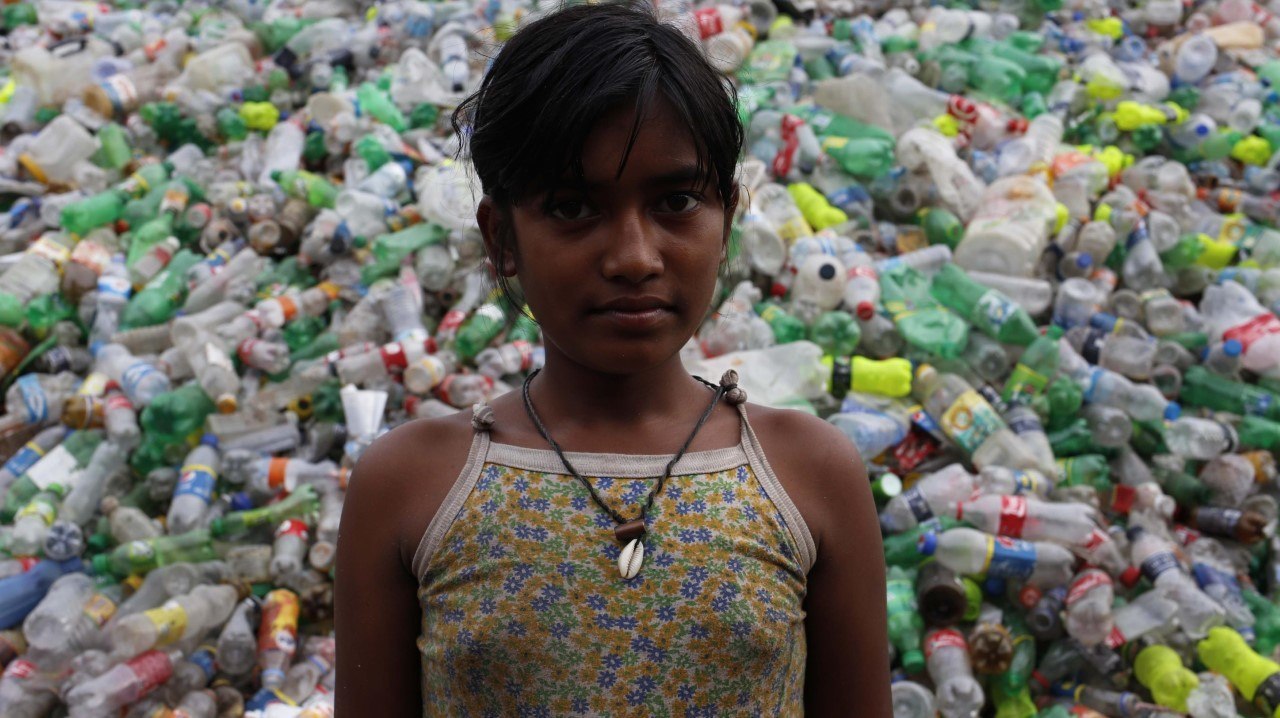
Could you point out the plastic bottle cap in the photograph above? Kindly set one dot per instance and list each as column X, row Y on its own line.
column 241, row 501
column 209, row 440
column 1084, row 261
column 227, row 404
column 928, row 543
column 102, row 565
column 994, row 586
column 865, row 310
column 1232, row 347
column 913, row 661
column 217, row 527
column 1172, row 411
column 1130, row 576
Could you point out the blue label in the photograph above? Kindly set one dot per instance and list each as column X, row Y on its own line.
column 132, row 377
column 1026, row 423
column 34, row 400
column 195, row 482
column 1025, row 482
column 1207, row 576
column 1158, row 563
column 1011, row 558
column 23, row 459
column 204, row 659
column 1258, row 405
column 915, row 501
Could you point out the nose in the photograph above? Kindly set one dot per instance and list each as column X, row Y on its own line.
column 633, row 250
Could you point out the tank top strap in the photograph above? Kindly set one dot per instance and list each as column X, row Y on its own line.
column 481, row 422
column 799, row 530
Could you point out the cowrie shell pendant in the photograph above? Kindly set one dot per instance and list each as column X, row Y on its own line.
column 631, row 559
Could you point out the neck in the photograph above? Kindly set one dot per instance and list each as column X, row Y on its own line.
column 568, row 394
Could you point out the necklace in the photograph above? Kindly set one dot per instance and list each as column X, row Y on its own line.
column 630, row 533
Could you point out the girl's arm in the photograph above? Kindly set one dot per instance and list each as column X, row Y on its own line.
column 375, row 604
column 846, row 625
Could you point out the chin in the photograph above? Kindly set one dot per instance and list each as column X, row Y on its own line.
column 629, row 356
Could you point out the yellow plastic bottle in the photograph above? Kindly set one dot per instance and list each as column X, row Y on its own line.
column 1258, row 679
column 1160, row 669
column 887, row 377
column 817, row 211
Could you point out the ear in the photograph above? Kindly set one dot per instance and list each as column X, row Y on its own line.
column 490, row 219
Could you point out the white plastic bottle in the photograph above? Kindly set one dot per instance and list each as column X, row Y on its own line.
column 194, row 492
column 1029, row 518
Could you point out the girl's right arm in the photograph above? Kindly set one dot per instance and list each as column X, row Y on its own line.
column 394, row 491
column 375, row 601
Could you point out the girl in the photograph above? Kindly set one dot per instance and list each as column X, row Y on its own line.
column 616, row 537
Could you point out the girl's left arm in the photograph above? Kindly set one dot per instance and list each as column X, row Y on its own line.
column 846, row 627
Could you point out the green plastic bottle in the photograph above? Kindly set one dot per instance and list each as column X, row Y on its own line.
column 861, row 157
column 906, row 626
column 1009, row 691
column 837, row 332
column 378, row 105
column 114, row 152
column 1256, row 432
column 1267, row 625
column 316, row 190
column 101, row 209
column 1038, row 364
column 170, row 423
column 921, row 321
column 389, row 250
column 990, row 310
column 941, row 226
column 900, row 549
column 1184, row 488
column 525, row 328
column 160, row 299
column 480, row 329
column 1203, row 388
column 145, row 555
column 786, row 327
column 1084, row 470
column 18, row 14
column 302, row 501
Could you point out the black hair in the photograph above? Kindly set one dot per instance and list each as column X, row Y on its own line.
column 552, row 81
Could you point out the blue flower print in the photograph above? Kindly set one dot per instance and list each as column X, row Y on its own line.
column 697, row 506
column 685, row 692
column 698, row 630
column 565, row 568
column 580, row 705
column 521, row 484
column 606, row 679
column 604, row 483
column 666, row 614
column 612, row 661
column 596, row 602
column 578, row 503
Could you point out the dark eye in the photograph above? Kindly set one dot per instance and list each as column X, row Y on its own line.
column 570, row 210
column 680, row 203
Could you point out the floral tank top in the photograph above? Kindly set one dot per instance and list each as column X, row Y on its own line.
column 525, row 613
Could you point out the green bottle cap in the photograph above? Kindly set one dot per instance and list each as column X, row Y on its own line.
column 102, row 564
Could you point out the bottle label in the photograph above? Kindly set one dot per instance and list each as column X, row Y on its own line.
column 1216, row 521
column 1025, row 382
column 993, row 310
column 1257, row 403
column 35, row 402
column 1157, row 564
column 709, row 22
column 100, row 609
column 279, row 626
column 118, row 402
column 970, row 420
column 922, row 419
column 1010, row 558
column 133, row 377
column 915, row 501
column 170, row 622
column 24, row 458
column 1267, row 695
column 1115, row 639
column 50, row 250
column 292, row 527
column 20, row 669
column 277, row 468
column 450, row 322
column 394, row 357
column 1253, row 330
column 196, row 480
column 153, row 669
column 93, row 255
column 53, row 468
column 1013, row 516
column 946, row 638
column 1026, row 422
column 1028, row 482
column 1085, row 583
column 39, row 508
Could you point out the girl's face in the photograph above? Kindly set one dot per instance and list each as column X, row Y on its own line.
column 620, row 272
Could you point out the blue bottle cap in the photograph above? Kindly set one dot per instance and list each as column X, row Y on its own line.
column 994, row 586
column 1103, row 320
column 209, row 440
column 240, row 501
column 1172, row 411
column 1084, row 261
column 927, row 543
column 1232, row 347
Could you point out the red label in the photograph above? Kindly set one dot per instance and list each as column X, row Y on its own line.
column 20, row 668
column 946, row 638
column 1013, row 515
column 1253, row 330
column 393, row 357
column 152, row 669
column 1115, row 639
column 245, row 350
column 1097, row 537
column 1122, row 498
column 450, row 322
column 118, row 401
column 292, row 527
column 1029, row 596
column 1185, row 534
column 861, row 270
column 1085, row 583
column 709, row 22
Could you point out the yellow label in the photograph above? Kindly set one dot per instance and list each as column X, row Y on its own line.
column 170, row 621
column 100, row 609
column 41, row 509
column 93, row 385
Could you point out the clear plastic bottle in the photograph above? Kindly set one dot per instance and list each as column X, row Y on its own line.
column 969, row 420
column 1029, row 518
column 237, row 642
column 947, row 656
column 1202, row 439
column 139, row 379
column 1088, row 607
column 933, row 495
column 182, row 617
column 1154, row 558
column 123, row 685
column 970, row 552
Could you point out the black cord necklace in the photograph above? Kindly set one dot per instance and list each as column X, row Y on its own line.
column 630, row 533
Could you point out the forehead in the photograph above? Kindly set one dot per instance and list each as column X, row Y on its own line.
column 663, row 144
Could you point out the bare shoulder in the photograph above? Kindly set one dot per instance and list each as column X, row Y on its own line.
column 817, row 465
column 404, row 476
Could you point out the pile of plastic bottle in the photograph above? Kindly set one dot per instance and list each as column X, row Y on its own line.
column 1024, row 254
